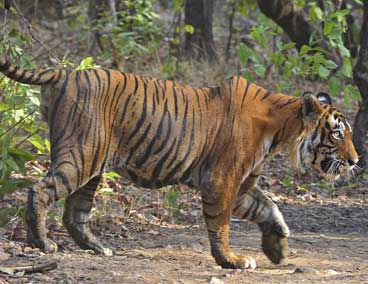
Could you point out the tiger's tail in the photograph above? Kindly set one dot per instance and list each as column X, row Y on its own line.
column 26, row 76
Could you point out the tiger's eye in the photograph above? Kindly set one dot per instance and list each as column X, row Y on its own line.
column 337, row 135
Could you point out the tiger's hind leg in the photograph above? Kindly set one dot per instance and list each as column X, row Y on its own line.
column 76, row 217
column 50, row 189
column 256, row 207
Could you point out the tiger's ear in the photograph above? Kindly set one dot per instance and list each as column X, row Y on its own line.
column 324, row 98
column 311, row 107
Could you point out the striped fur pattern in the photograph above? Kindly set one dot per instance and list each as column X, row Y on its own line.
column 159, row 133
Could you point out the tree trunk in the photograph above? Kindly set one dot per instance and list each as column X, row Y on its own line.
column 361, row 80
column 292, row 20
column 199, row 14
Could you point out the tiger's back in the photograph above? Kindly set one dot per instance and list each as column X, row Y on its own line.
column 155, row 132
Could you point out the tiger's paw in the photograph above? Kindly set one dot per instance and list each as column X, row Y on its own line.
column 47, row 246
column 237, row 262
column 275, row 242
column 99, row 249
column 245, row 262
column 108, row 251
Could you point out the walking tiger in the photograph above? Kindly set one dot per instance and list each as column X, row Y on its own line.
column 159, row 133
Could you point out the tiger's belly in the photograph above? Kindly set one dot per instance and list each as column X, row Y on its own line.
column 156, row 171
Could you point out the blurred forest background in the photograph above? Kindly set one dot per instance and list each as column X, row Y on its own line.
column 288, row 46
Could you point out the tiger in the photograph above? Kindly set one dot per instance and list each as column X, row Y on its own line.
column 160, row 132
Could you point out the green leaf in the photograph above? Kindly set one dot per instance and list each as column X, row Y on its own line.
column 37, row 141
column 260, row 69
column 334, row 86
column 22, row 153
column 328, row 27
column 352, row 92
column 330, row 64
column 178, row 4
column 323, row 72
column 12, row 164
column 247, row 74
column 189, row 29
column 87, row 63
column 288, row 45
column 347, row 98
column 344, row 51
column 242, row 9
column 355, row 94
column 320, row 49
column 48, row 145
column 243, row 54
column 305, row 49
column 315, row 13
column 347, row 68
column 111, row 175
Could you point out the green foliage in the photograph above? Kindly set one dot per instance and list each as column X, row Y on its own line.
column 171, row 200
column 109, row 176
column 18, row 133
column 189, row 29
column 291, row 186
column 134, row 32
column 87, row 63
column 312, row 61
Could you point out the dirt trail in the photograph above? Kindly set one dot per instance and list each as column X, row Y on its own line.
column 329, row 245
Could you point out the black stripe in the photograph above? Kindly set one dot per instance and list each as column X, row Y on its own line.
column 149, row 148
column 254, row 211
column 244, row 216
column 182, row 132
column 12, row 73
column 208, row 216
column 76, row 167
column 37, row 78
column 143, row 115
column 58, row 99
column 266, row 95
column 78, row 95
column 97, row 151
column 155, row 98
column 88, row 91
column 175, row 102
column 290, row 101
column 245, row 93
column 81, row 152
column 255, row 214
column 195, row 162
column 107, row 93
column 64, row 181
column 157, row 170
column 257, row 92
column 172, row 173
column 139, row 142
column 168, row 132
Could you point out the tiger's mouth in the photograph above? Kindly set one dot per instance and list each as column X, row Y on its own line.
column 333, row 169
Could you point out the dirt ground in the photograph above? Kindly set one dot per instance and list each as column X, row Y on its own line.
column 329, row 242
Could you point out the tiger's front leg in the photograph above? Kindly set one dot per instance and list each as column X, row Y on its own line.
column 217, row 210
column 256, row 207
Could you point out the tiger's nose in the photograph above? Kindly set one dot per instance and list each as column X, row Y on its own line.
column 352, row 162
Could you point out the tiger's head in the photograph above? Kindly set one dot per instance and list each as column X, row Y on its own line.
column 325, row 143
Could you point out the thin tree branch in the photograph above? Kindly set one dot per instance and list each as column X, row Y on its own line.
column 30, row 31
